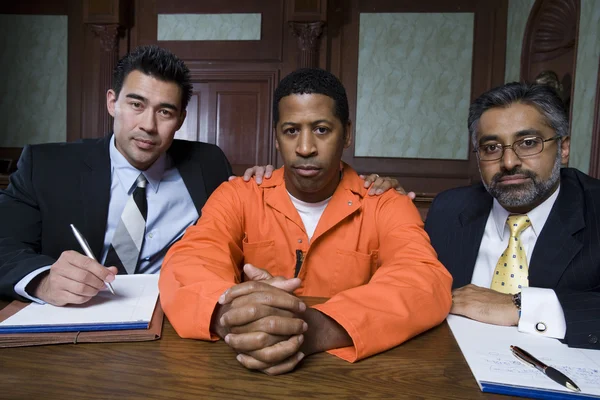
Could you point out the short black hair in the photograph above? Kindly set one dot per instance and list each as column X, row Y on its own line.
column 313, row 81
column 158, row 63
column 543, row 97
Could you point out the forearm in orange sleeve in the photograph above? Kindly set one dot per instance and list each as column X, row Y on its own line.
column 202, row 265
column 408, row 294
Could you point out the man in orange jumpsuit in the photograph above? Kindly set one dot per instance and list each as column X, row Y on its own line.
column 311, row 230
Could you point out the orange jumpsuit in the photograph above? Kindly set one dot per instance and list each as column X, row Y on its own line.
column 368, row 254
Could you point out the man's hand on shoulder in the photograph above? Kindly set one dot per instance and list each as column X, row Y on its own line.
column 484, row 305
column 381, row 184
column 258, row 172
column 72, row 279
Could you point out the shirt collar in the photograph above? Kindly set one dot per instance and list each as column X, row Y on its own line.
column 298, row 202
column 128, row 174
column 537, row 216
column 349, row 181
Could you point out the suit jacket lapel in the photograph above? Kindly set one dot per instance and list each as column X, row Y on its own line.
column 95, row 193
column 472, row 220
column 556, row 246
column 190, row 170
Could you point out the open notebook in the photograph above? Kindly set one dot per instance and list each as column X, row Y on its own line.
column 132, row 307
column 487, row 351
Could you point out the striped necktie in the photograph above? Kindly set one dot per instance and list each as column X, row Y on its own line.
column 127, row 241
column 512, row 273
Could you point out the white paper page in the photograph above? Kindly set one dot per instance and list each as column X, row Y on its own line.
column 594, row 355
column 487, row 351
column 134, row 301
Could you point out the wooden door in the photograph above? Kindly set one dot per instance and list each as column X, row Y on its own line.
column 234, row 115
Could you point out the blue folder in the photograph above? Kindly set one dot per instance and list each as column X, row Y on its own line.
column 531, row 393
column 74, row 328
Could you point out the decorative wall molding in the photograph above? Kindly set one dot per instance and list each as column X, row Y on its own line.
column 308, row 36
column 550, row 44
column 108, row 35
column 554, row 30
column 551, row 32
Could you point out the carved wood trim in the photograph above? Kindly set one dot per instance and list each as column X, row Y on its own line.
column 108, row 35
column 551, row 32
column 308, row 36
column 550, row 43
column 595, row 155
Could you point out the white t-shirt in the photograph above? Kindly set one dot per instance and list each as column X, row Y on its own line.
column 310, row 213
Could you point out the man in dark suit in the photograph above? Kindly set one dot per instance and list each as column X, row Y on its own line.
column 89, row 183
column 541, row 270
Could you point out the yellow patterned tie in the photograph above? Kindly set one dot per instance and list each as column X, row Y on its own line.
column 511, row 273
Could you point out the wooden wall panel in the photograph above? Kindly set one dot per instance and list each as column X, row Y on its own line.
column 268, row 48
column 35, row 7
column 427, row 177
column 241, row 119
column 75, row 59
column 234, row 81
column 232, row 110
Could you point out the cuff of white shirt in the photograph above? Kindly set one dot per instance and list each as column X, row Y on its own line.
column 541, row 313
column 22, row 284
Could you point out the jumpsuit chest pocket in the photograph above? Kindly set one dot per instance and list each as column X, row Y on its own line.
column 353, row 269
column 260, row 254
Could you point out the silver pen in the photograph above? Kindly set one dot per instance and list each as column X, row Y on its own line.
column 88, row 251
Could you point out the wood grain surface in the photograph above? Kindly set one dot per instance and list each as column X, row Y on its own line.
column 429, row 366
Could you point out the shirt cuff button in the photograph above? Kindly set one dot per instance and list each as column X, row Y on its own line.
column 540, row 327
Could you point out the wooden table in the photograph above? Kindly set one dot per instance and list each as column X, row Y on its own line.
column 429, row 366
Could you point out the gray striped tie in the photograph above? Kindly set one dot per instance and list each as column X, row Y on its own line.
column 127, row 241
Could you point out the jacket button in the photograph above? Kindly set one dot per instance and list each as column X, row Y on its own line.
column 592, row 339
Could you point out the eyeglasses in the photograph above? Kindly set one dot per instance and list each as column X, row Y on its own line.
column 526, row 147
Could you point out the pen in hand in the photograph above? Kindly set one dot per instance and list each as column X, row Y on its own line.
column 550, row 372
column 88, row 251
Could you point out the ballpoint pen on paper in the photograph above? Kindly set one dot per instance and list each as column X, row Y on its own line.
column 88, row 251
column 550, row 372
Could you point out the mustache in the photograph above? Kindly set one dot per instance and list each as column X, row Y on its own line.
column 516, row 171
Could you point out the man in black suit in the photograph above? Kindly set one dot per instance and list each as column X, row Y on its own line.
column 519, row 132
column 88, row 184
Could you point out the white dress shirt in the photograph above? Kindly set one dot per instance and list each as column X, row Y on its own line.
column 538, row 306
column 170, row 211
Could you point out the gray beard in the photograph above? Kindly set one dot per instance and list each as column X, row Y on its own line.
column 525, row 194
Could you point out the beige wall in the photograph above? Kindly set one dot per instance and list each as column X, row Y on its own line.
column 33, row 65
column 518, row 12
column 414, row 85
column 208, row 26
column 586, row 76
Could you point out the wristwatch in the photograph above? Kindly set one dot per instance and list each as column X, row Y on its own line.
column 516, row 299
